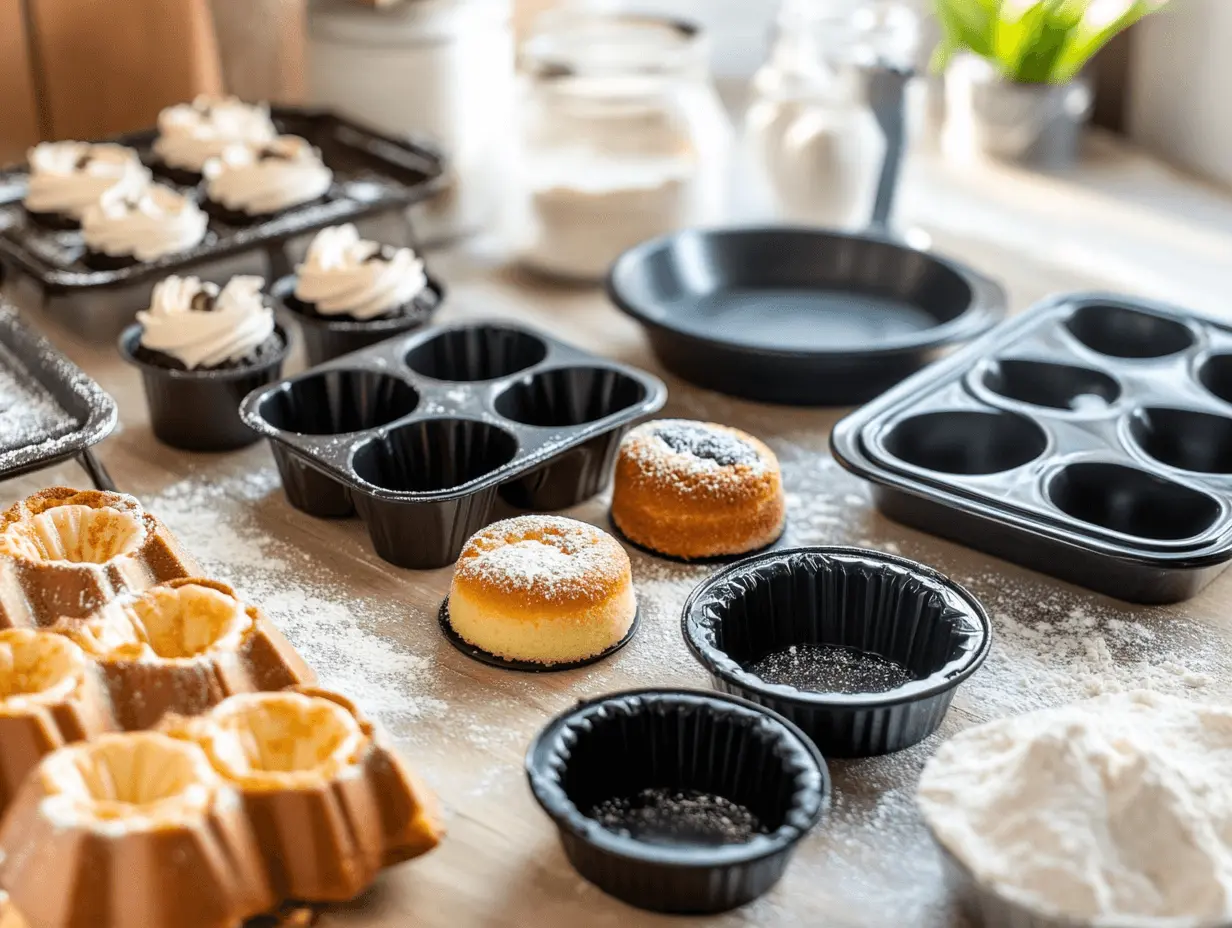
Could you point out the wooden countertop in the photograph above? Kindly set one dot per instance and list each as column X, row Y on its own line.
column 370, row 628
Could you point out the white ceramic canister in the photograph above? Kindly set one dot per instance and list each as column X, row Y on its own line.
column 441, row 69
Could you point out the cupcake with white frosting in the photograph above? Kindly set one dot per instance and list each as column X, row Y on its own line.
column 201, row 349
column 190, row 134
column 351, row 292
column 66, row 178
column 247, row 183
column 121, row 229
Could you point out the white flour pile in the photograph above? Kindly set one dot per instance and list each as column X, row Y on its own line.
column 1113, row 809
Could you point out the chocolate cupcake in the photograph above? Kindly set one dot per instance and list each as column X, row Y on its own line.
column 66, row 178
column 201, row 350
column 124, row 229
column 249, row 183
column 190, row 134
column 350, row 293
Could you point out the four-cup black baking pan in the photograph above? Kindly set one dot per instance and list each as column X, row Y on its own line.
column 419, row 433
column 799, row 316
column 861, row 649
column 1089, row 438
column 676, row 800
column 374, row 173
column 49, row 410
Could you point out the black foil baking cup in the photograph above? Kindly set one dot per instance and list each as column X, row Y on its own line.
column 618, row 745
column 717, row 559
column 54, row 222
column 199, row 410
column 328, row 337
column 504, row 663
column 853, row 598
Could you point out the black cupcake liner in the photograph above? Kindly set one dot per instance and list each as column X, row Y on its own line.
column 199, row 410
column 101, row 261
column 618, row 745
column 181, row 177
column 240, row 219
column 329, row 337
column 715, row 559
column 504, row 663
column 54, row 222
column 848, row 597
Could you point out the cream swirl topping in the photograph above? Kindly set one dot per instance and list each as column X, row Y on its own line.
column 202, row 326
column 69, row 177
column 267, row 178
column 156, row 222
column 346, row 275
column 190, row 134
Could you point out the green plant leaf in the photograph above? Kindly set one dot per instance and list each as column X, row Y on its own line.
column 1087, row 39
column 968, row 24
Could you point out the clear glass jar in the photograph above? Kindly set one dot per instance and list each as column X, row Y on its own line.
column 812, row 142
column 623, row 138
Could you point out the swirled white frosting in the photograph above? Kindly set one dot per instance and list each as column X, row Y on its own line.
column 190, row 134
column 69, row 177
column 267, row 178
column 201, row 326
column 345, row 275
column 157, row 222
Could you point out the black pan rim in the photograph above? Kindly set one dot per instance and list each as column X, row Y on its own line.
column 476, row 653
column 569, row 818
column 987, row 306
column 706, row 654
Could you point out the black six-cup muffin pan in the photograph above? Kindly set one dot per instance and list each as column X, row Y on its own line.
column 373, row 173
column 1090, row 438
column 419, row 433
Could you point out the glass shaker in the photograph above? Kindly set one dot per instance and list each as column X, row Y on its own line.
column 623, row 138
column 812, row 143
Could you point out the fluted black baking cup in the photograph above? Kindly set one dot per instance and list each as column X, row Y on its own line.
column 198, row 410
column 617, row 746
column 850, row 598
column 717, row 559
column 495, row 660
column 328, row 337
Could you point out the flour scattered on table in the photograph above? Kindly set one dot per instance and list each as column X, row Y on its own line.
column 216, row 523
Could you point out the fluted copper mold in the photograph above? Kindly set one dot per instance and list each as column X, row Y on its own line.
column 131, row 830
column 330, row 803
column 183, row 647
column 51, row 694
column 66, row 553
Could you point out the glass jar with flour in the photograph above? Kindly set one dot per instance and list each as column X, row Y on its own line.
column 811, row 141
column 623, row 138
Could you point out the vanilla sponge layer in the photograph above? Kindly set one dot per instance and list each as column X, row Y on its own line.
column 550, row 635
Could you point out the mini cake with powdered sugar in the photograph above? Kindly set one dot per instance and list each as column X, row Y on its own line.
column 542, row 589
column 697, row 490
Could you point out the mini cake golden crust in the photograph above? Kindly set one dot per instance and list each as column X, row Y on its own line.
column 127, row 830
column 697, row 489
column 331, row 804
column 183, row 647
column 543, row 589
column 66, row 552
column 9, row 917
column 50, row 695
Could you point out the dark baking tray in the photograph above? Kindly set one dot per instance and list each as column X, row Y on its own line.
column 419, row 433
column 49, row 410
column 1090, row 438
column 373, row 173
column 799, row 316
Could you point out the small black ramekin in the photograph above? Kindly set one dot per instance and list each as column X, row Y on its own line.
column 199, row 410
column 327, row 337
column 620, row 744
column 848, row 597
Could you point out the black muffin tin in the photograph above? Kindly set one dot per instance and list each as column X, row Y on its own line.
column 373, row 173
column 1089, row 438
column 617, row 745
column 864, row 601
column 56, row 411
column 419, row 433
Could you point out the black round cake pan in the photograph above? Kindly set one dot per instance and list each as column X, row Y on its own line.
column 799, row 316
column 764, row 781
column 867, row 648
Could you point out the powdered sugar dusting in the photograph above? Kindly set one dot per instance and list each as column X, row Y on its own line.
column 693, row 456
column 29, row 415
